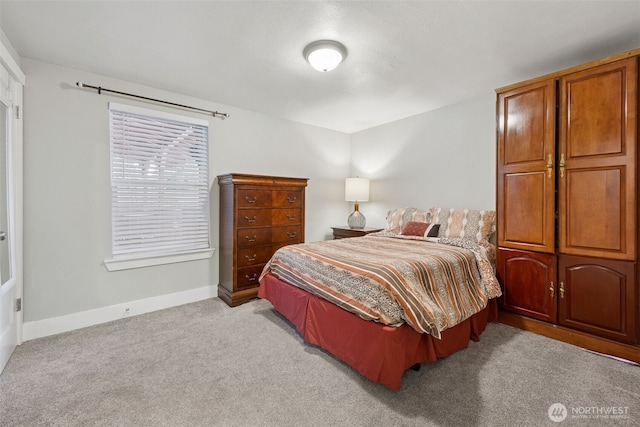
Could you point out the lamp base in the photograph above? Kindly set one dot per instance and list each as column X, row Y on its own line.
column 356, row 220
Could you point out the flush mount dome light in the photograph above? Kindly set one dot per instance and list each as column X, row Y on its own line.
column 324, row 55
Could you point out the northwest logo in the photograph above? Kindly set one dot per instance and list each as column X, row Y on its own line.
column 557, row 412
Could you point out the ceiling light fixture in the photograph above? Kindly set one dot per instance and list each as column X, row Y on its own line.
column 325, row 55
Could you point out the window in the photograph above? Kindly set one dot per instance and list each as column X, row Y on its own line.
column 159, row 187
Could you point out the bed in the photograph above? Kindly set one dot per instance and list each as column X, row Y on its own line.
column 415, row 292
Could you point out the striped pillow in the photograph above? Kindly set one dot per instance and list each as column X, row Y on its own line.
column 397, row 218
column 464, row 223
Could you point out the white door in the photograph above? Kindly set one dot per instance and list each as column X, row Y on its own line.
column 8, row 283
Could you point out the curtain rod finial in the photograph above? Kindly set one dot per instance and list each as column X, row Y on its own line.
column 79, row 84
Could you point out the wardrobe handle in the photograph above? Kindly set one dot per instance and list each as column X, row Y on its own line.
column 292, row 235
column 551, row 290
column 562, row 163
column 250, row 219
column 255, row 199
column 251, row 239
column 550, row 166
column 291, row 217
column 292, row 199
column 561, row 290
column 251, row 278
column 251, row 259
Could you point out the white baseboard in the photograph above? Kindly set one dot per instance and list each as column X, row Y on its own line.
column 70, row 322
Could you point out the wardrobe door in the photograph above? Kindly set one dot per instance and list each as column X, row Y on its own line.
column 598, row 296
column 597, row 164
column 528, row 281
column 526, row 167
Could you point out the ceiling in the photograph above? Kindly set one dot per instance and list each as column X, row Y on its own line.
column 404, row 57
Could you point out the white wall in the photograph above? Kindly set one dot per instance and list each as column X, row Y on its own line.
column 67, row 189
column 445, row 157
column 7, row 47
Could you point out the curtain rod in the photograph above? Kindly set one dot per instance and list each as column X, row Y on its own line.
column 202, row 110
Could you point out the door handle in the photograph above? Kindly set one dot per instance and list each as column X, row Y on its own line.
column 3, row 235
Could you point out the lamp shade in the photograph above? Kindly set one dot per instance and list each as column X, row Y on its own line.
column 356, row 190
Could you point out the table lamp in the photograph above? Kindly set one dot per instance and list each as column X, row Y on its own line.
column 356, row 190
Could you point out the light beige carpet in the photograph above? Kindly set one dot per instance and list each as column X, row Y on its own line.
column 205, row 364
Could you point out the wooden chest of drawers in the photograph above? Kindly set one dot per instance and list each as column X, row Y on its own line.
column 258, row 215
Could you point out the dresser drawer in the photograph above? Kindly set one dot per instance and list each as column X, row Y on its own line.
column 287, row 199
column 248, row 276
column 248, row 237
column 250, row 198
column 286, row 216
column 253, row 217
column 253, row 256
column 291, row 234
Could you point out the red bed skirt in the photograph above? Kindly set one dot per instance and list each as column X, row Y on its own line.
column 379, row 352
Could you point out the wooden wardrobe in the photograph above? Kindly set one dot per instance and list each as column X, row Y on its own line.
column 567, row 204
column 258, row 215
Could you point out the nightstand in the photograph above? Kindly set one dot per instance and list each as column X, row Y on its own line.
column 344, row 232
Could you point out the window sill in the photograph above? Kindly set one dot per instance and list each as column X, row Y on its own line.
column 127, row 264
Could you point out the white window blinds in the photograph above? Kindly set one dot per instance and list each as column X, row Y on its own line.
column 159, row 183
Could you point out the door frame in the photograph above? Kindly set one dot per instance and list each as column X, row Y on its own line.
column 16, row 79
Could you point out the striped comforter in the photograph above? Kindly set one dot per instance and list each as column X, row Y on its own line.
column 430, row 286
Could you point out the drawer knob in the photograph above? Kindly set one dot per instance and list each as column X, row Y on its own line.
column 292, row 199
column 292, row 235
column 251, row 278
column 251, row 239
column 250, row 200
column 250, row 219
column 291, row 217
column 251, row 259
